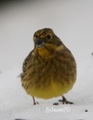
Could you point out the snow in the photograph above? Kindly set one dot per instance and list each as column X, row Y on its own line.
column 72, row 21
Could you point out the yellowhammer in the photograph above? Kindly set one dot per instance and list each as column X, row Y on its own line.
column 50, row 68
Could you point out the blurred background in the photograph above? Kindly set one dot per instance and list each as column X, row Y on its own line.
column 71, row 20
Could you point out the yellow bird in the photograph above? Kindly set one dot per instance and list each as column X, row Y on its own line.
column 50, row 68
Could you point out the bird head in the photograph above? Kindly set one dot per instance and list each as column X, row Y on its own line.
column 45, row 37
column 46, row 42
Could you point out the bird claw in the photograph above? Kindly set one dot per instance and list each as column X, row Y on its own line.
column 65, row 101
column 36, row 103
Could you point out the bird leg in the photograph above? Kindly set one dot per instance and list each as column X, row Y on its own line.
column 34, row 102
column 65, row 101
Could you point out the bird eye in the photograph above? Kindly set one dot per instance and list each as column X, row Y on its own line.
column 49, row 36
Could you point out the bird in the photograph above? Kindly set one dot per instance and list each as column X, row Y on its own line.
column 50, row 69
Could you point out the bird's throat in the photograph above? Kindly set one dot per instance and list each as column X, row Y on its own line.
column 45, row 53
column 48, row 52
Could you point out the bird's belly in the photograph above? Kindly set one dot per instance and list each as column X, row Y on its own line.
column 53, row 80
column 52, row 89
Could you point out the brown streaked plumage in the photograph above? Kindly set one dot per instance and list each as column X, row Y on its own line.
column 50, row 68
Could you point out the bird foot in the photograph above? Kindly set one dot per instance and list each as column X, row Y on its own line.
column 65, row 101
column 35, row 103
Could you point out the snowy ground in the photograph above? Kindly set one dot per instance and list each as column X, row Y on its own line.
column 72, row 21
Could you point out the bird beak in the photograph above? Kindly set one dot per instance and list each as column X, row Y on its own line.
column 39, row 43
